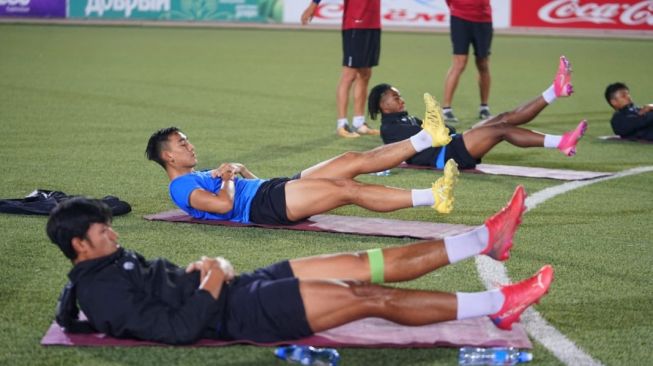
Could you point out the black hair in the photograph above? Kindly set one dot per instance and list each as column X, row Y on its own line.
column 156, row 142
column 72, row 218
column 374, row 99
column 612, row 89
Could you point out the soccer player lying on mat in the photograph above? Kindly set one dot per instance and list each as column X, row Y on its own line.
column 126, row 296
column 219, row 194
column 629, row 121
column 468, row 149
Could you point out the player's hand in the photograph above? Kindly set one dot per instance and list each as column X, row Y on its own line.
column 227, row 268
column 645, row 109
column 225, row 170
column 307, row 15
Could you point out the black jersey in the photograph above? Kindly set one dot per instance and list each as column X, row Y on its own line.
column 401, row 126
column 628, row 124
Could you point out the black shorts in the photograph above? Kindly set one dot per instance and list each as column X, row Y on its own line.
column 464, row 33
column 268, row 206
column 361, row 47
column 265, row 306
column 457, row 151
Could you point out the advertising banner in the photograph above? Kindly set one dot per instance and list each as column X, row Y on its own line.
column 33, row 8
column 399, row 13
column 593, row 14
column 257, row 11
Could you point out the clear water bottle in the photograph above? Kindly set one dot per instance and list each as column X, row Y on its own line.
column 307, row 355
column 493, row 356
column 383, row 173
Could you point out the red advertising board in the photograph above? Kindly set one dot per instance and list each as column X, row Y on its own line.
column 595, row 14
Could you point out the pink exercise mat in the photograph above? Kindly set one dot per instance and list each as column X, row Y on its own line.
column 523, row 171
column 338, row 224
column 619, row 138
column 365, row 333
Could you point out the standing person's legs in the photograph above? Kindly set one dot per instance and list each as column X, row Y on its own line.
column 484, row 80
column 360, row 98
column 363, row 76
column 347, row 78
column 482, row 41
column 461, row 37
column 458, row 63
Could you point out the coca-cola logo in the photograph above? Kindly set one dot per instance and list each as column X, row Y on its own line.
column 570, row 11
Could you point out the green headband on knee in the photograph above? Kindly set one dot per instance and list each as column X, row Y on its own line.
column 375, row 258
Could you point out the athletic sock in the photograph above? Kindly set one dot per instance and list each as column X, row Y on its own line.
column 342, row 122
column 467, row 244
column 358, row 121
column 422, row 197
column 421, row 141
column 475, row 304
column 483, row 107
column 446, row 109
column 549, row 95
column 552, row 141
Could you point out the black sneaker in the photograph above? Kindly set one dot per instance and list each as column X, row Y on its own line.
column 484, row 113
column 449, row 117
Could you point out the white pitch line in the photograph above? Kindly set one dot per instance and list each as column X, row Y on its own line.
column 493, row 272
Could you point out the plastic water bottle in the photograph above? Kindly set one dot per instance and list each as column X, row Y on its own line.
column 383, row 173
column 493, row 356
column 307, row 355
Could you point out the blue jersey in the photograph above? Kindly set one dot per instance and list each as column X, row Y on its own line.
column 245, row 189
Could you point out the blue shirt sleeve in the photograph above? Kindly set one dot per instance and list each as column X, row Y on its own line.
column 182, row 187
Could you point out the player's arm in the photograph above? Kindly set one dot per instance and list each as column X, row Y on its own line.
column 645, row 109
column 219, row 203
column 307, row 15
column 213, row 273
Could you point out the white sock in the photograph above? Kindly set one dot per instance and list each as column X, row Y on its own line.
column 358, row 121
column 552, row 141
column 467, row 244
column 549, row 95
column 475, row 304
column 422, row 197
column 342, row 122
column 421, row 141
column 446, row 109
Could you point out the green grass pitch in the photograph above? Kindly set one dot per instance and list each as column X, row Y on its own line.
column 77, row 105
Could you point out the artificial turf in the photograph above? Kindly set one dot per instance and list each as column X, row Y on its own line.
column 77, row 105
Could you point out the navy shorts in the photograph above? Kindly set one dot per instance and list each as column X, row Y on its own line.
column 457, row 151
column 265, row 306
column 268, row 206
column 464, row 33
column 361, row 47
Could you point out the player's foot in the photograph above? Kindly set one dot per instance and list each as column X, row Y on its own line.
column 443, row 188
column 562, row 82
column 367, row 130
column 520, row 296
column 345, row 133
column 449, row 117
column 433, row 122
column 484, row 113
column 570, row 139
column 503, row 224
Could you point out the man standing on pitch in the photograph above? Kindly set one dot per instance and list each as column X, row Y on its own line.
column 471, row 23
column 361, row 46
